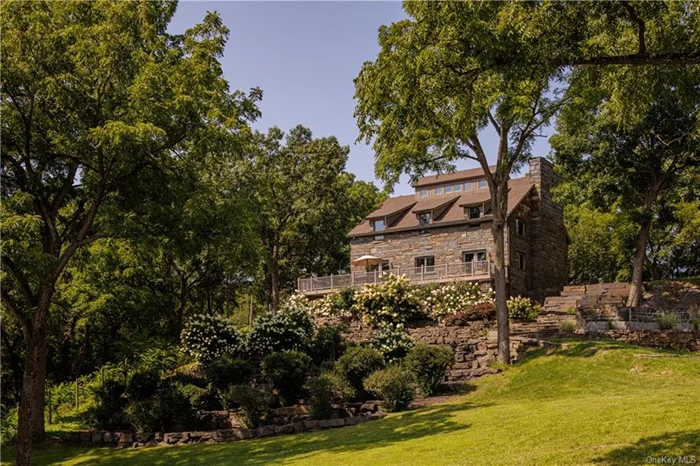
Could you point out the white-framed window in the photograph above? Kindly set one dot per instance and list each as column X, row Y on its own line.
column 519, row 227
column 482, row 184
column 473, row 256
column 428, row 262
column 378, row 225
column 439, row 190
column 423, row 193
column 453, row 188
column 520, row 260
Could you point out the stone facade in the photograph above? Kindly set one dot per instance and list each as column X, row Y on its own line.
column 544, row 244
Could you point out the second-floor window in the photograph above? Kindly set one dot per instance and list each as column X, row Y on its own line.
column 519, row 227
column 438, row 190
column 474, row 256
column 520, row 260
column 378, row 225
column 423, row 193
column 428, row 262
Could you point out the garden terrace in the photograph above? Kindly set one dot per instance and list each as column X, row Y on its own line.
column 442, row 273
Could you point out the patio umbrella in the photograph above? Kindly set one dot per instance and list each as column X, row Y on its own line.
column 367, row 261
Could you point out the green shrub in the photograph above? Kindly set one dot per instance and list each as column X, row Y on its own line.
column 523, row 309
column 228, row 371
column 199, row 398
column 253, row 402
column 571, row 310
column 357, row 363
column 392, row 301
column 567, row 326
column 284, row 331
column 326, row 389
column 393, row 385
column 429, row 366
column 8, row 426
column 169, row 409
column 142, row 385
column 667, row 321
column 392, row 342
column 207, row 337
column 108, row 411
column 329, row 343
column 334, row 304
column 287, row 372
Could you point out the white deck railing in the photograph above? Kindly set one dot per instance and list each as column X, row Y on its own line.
column 426, row 273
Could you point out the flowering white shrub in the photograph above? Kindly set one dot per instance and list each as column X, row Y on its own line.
column 393, row 342
column 297, row 302
column 290, row 330
column 451, row 298
column 207, row 337
column 392, row 301
column 520, row 308
column 334, row 304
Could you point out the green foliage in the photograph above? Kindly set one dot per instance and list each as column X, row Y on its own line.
column 523, row 309
column 393, row 342
column 667, row 321
column 108, row 412
column 142, row 385
column 8, row 426
column 394, row 385
column 567, row 326
column 429, row 366
column 326, row 389
column 329, row 343
column 228, row 371
column 392, row 301
column 284, row 331
column 254, row 402
column 357, row 363
column 207, row 337
column 287, row 372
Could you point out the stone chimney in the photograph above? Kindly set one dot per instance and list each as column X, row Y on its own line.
column 549, row 238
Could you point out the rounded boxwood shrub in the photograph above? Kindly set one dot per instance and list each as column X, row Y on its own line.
column 207, row 337
column 329, row 343
column 326, row 389
column 287, row 372
column 393, row 385
column 227, row 371
column 357, row 363
column 429, row 366
column 285, row 331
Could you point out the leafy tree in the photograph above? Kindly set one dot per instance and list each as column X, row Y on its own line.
column 97, row 101
column 635, row 161
column 306, row 204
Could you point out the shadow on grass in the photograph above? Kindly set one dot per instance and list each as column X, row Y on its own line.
column 398, row 428
column 573, row 349
column 671, row 444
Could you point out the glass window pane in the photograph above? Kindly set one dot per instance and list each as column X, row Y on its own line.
column 379, row 225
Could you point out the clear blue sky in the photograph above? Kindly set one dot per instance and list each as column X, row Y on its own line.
column 304, row 56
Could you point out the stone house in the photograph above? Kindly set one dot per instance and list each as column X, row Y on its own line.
column 443, row 233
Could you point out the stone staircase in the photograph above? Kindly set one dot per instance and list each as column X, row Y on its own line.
column 587, row 298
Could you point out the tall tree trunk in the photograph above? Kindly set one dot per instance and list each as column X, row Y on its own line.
column 635, row 296
column 499, row 276
column 30, row 427
column 274, row 273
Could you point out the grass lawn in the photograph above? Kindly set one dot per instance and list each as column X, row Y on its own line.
column 585, row 403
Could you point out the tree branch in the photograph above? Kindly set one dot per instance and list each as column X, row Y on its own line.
column 641, row 27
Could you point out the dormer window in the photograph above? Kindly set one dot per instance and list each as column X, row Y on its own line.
column 519, row 227
column 439, row 190
column 473, row 212
column 482, row 184
column 423, row 193
column 453, row 188
column 425, row 218
column 378, row 225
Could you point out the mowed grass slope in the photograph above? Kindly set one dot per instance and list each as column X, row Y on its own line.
column 583, row 403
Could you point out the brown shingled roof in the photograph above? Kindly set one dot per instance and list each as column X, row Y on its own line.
column 454, row 214
column 455, row 176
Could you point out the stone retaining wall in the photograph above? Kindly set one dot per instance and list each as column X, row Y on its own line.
column 131, row 440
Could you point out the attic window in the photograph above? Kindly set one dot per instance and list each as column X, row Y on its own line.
column 425, row 218
column 519, row 227
column 453, row 188
column 482, row 184
column 473, row 212
column 438, row 190
column 378, row 225
column 423, row 193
